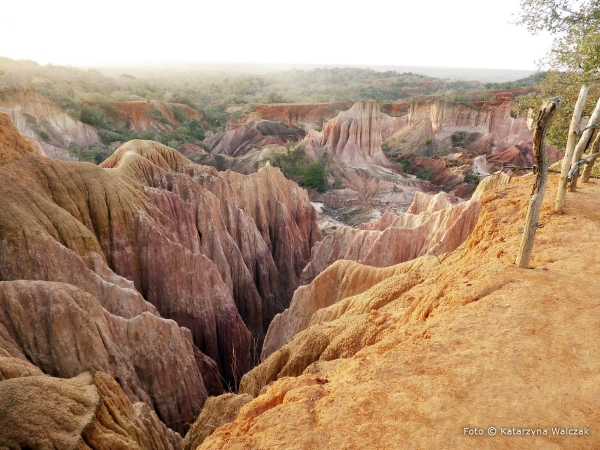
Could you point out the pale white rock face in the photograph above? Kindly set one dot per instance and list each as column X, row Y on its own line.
column 354, row 136
column 32, row 113
column 439, row 119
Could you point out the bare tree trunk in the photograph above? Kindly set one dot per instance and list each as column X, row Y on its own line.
column 548, row 110
column 584, row 141
column 585, row 176
column 566, row 164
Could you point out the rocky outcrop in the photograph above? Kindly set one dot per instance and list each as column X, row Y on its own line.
column 64, row 331
column 408, row 362
column 260, row 243
column 433, row 225
column 120, row 424
column 354, row 136
column 154, row 115
column 255, row 135
column 217, row 411
column 95, row 229
column 396, row 238
column 339, row 324
column 284, row 217
column 296, row 114
column 45, row 412
column 431, row 123
column 89, row 411
column 44, row 121
column 107, row 255
column 457, row 173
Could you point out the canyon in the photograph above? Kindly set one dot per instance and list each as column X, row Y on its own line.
column 415, row 353
column 371, row 151
column 195, row 298
column 103, row 267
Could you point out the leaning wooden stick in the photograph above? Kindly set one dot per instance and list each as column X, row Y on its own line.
column 575, row 169
column 571, row 141
column 584, row 140
column 548, row 110
column 594, row 149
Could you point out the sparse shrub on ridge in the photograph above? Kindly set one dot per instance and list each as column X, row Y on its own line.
column 296, row 166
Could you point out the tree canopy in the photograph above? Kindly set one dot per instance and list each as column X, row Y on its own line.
column 573, row 60
column 576, row 27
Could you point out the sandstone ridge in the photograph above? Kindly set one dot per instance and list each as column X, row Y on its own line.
column 154, row 115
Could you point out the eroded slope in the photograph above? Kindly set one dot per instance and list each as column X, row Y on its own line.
column 470, row 341
column 94, row 262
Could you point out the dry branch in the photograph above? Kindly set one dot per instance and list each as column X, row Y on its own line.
column 581, row 162
column 586, row 137
column 566, row 164
column 587, row 172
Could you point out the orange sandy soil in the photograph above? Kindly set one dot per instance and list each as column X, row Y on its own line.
column 479, row 343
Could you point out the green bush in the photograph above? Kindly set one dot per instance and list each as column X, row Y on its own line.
column 472, row 178
column 424, row 174
column 314, row 176
column 458, row 138
column 405, row 163
column 94, row 153
column 296, row 166
column 96, row 116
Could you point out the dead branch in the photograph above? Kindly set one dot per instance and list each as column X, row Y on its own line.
column 566, row 164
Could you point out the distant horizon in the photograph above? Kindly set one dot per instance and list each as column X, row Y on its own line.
column 480, row 74
column 290, row 65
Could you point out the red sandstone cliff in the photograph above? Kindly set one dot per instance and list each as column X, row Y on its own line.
column 255, row 135
column 296, row 114
column 491, row 126
column 153, row 116
column 260, row 242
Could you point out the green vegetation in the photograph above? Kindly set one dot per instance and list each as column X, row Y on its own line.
column 296, row 166
column 531, row 80
column 211, row 92
column 405, row 163
column 424, row 174
column 471, row 177
column 457, row 138
column 94, row 154
column 576, row 30
column 314, row 176
column 574, row 58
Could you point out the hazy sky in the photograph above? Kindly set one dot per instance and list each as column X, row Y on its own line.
column 458, row 33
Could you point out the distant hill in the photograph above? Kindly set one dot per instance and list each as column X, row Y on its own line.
column 451, row 73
